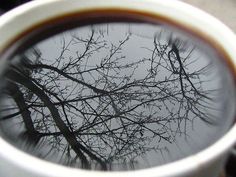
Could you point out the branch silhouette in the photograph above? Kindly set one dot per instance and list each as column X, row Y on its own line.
column 92, row 105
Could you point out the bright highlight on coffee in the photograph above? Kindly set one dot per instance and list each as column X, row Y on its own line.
column 115, row 94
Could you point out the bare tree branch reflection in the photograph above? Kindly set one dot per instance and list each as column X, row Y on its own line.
column 92, row 106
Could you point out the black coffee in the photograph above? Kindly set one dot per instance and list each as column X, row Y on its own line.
column 117, row 95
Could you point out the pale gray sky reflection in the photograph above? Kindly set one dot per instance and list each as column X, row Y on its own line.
column 117, row 96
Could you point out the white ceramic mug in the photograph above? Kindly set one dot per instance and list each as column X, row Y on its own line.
column 207, row 163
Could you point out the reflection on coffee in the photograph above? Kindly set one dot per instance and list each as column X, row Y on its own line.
column 116, row 96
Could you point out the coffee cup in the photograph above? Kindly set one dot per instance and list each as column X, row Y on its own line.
column 115, row 88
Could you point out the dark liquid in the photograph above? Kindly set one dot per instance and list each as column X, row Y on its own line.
column 116, row 96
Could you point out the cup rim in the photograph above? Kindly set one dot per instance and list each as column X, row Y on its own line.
column 190, row 16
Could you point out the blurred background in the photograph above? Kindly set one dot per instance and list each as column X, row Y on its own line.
column 223, row 10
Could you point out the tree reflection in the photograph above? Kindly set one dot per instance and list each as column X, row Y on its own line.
column 92, row 106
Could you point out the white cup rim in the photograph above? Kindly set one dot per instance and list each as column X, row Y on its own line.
column 215, row 29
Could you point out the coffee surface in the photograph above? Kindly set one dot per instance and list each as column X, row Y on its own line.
column 116, row 96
